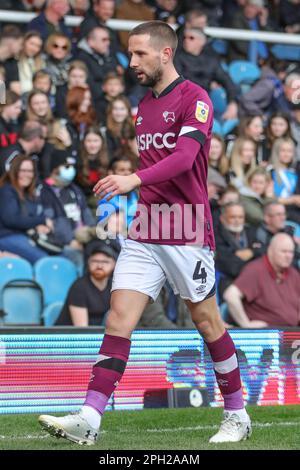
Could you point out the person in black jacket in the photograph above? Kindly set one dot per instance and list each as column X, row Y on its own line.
column 9, row 119
column 98, row 15
column 31, row 142
column 96, row 53
column 235, row 244
column 198, row 63
column 20, row 211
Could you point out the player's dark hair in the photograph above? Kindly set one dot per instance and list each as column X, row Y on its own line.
column 161, row 34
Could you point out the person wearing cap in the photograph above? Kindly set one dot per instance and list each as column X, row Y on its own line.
column 254, row 16
column 88, row 299
column 65, row 204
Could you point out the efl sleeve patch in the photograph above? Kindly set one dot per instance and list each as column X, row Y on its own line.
column 202, row 111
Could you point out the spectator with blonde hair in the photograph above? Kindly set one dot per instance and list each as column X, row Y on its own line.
column 118, row 121
column 29, row 62
column 217, row 158
column 256, row 194
column 242, row 160
column 286, row 179
column 77, row 76
column 58, row 48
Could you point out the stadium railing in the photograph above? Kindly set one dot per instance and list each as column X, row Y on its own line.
column 126, row 25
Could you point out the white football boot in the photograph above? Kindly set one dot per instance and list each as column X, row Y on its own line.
column 232, row 429
column 72, row 427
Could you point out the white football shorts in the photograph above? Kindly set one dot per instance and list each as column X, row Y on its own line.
column 145, row 267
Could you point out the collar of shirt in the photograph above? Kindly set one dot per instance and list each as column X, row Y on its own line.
column 279, row 278
column 169, row 88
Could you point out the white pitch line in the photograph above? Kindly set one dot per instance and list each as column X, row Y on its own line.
column 214, row 426
column 195, row 428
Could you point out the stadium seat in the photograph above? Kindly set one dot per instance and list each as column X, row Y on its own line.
column 220, row 46
column 219, row 100
column 295, row 226
column 51, row 313
column 286, row 52
column 55, row 275
column 22, row 303
column 13, row 269
column 244, row 73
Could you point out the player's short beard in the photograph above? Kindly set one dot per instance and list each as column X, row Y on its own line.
column 153, row 79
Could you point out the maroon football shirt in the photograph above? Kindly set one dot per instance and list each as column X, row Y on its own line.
column 174, row 134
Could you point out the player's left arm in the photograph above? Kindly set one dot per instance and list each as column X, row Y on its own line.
column 195, row 127
column 196, row 123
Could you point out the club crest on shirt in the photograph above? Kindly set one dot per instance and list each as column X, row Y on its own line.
column 139, row 121
column 169, row 116
column 202, row 110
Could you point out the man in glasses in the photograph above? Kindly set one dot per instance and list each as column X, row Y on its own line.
column 51, row 20
column 197, row 62
column 171, row 237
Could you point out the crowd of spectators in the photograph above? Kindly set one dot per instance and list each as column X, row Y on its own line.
column 68, row 120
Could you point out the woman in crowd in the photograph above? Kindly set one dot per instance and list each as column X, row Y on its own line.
column 217, row 158
column 93, row 163
column 20, row 212
column 278, row 126
column 80, row 111
column 58, row 48
column 9, row 119
column 285, row 177
column 30, row 61
column 251, row 127
column 256, row 194
column 78, row 76
column 118, row 123
column 242, row 161
column 38, row 108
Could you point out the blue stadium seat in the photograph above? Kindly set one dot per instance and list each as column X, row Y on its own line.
column 13, row 269
column 220, row 46
column 22, row 303
column 55, row 275
column 295, row 226
column 51, row 313
column 243, row 72
column 286, row 52
column 219, row 100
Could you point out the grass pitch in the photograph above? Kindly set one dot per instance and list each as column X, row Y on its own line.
column 174, row 429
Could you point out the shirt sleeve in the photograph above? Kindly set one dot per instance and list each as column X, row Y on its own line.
column 195, row 128
column 76, row 296
column 248, row 283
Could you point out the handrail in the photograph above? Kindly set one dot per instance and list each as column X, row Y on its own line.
column 125, row 25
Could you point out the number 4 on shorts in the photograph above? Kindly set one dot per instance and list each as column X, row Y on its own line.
column 200, row 273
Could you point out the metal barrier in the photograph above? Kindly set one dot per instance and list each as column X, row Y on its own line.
column 125, row 25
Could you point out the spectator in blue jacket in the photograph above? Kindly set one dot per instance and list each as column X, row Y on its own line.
column 20, row 211
column 51, row 20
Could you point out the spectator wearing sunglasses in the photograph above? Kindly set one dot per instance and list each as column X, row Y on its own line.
column 58, row 48
column 51, row 20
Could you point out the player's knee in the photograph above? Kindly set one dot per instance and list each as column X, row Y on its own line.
column 204, row 326
column 118, row 324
